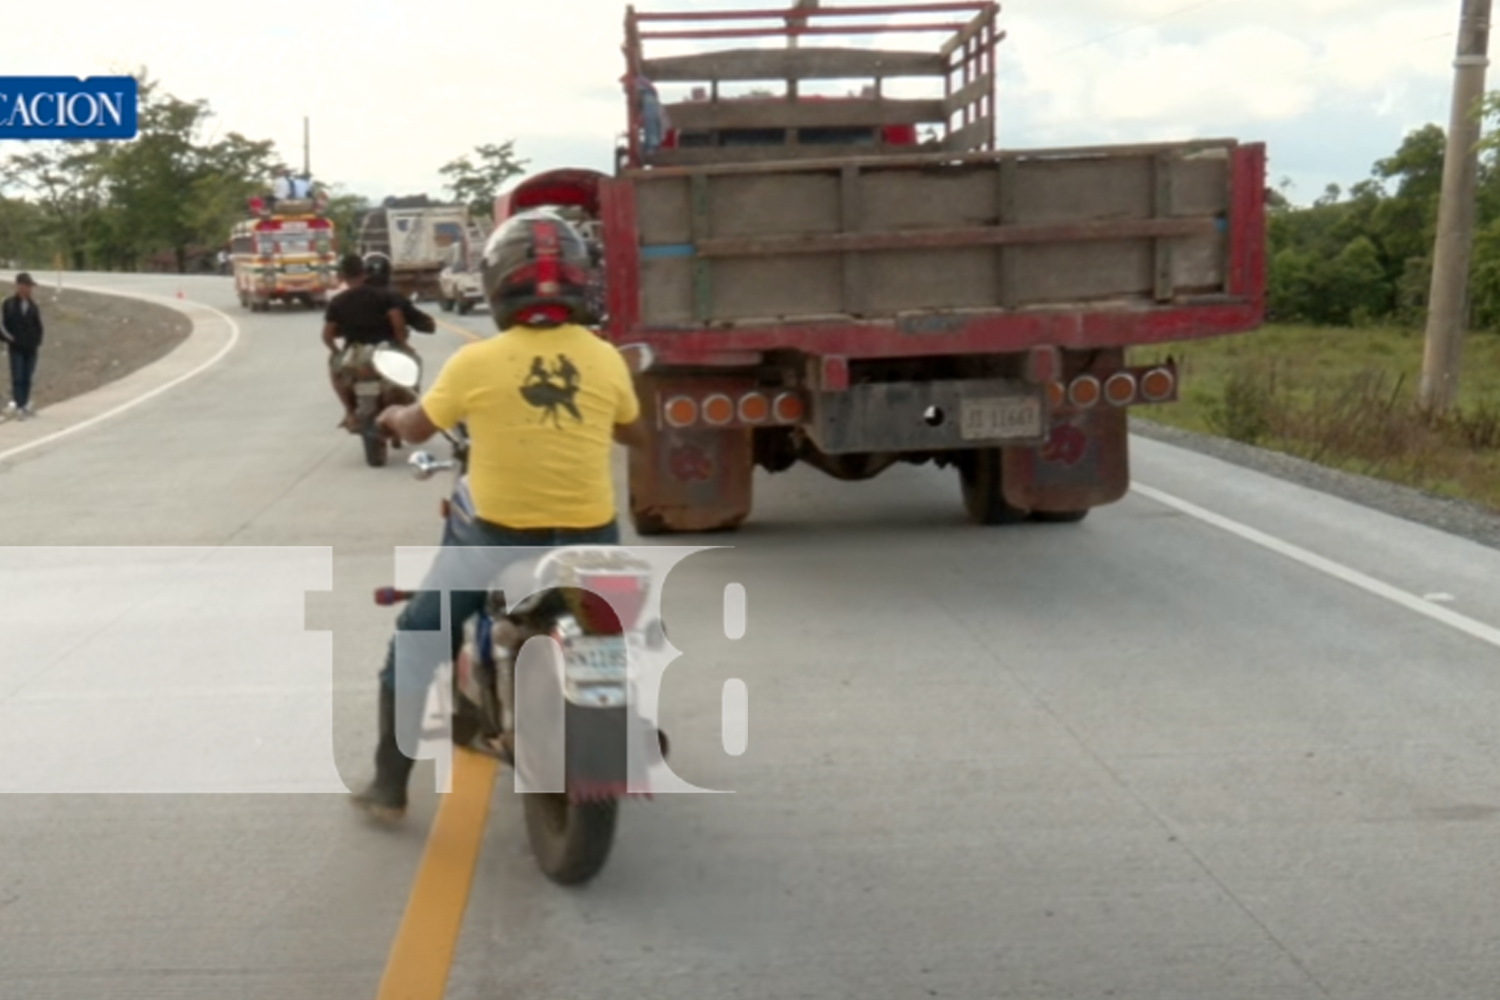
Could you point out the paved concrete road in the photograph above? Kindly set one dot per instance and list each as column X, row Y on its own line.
column 1148, row 756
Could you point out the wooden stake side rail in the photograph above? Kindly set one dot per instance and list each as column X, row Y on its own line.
column 1129, row 230
column 775, row 32
column 782, row 13
column 751, row 65
column 774, row 113
column 936, row 159
column 965, row 63
column 979, row 236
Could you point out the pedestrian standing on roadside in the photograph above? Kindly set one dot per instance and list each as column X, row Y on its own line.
column 21, row 328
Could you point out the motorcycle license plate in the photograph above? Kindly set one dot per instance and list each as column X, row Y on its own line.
column 595, row 659
column 1001, row 418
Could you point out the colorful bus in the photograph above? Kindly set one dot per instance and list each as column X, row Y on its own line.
column 284, row 254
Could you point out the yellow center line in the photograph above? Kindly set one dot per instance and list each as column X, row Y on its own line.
column 468, row 335
column 422, row 954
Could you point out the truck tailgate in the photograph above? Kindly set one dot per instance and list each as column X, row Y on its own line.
column 919, row 255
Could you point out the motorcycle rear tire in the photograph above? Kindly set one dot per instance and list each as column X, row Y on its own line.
column 571, row 842
column 376, row 445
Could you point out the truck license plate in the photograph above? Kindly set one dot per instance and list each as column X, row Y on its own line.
column 595, row 659
column 1001, row 418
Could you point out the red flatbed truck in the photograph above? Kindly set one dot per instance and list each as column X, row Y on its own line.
column 821, row 286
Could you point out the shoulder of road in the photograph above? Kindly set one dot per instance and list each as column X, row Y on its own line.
column 1456, row 517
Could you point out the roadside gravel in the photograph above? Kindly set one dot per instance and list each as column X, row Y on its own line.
column 91, row 340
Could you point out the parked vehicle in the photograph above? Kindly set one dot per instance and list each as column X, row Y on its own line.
column 589, row 600
column 858, row 282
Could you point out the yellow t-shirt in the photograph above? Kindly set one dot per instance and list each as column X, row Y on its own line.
column 541, row 406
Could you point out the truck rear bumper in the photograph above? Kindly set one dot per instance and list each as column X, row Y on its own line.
column 927, row 416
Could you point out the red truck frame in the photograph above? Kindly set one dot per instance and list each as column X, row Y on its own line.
column 727, row 396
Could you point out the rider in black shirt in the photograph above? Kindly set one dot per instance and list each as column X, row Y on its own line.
column 361, row 314
column 378, row 275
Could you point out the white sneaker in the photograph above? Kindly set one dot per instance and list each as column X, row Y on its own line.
column 28, row 412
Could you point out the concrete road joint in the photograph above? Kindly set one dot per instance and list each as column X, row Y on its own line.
column 144, row 384
column 1412, row 602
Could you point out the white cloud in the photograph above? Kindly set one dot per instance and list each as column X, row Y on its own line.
column 396, row 89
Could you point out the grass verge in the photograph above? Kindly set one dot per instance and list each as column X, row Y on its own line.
column 1344, row 398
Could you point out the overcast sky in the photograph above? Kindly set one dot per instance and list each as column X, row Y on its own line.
column 396, row 88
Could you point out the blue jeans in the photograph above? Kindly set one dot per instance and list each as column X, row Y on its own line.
column 424, row 612
column 22, row 368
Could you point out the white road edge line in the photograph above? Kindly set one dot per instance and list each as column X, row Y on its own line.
column 1476, row 629
column 98, row 418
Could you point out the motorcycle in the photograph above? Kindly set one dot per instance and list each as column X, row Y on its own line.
column 589, row 600
column 373, row 393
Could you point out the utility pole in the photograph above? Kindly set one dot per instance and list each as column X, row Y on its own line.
column 1448, row 300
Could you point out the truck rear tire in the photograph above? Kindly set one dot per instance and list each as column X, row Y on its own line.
column 984, row 495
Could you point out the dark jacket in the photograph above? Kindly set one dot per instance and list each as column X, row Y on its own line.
column 415, row 318
column 24, row 330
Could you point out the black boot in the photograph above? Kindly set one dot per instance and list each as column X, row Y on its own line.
column 385, row 798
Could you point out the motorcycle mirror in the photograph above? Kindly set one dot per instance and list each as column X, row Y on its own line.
column 399, row 368
column 638, row 357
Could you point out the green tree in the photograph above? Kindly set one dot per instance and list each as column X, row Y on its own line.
column 176, row 191
column 477, row 185
column 23, row 234
column 345, row 209
column 67, row 181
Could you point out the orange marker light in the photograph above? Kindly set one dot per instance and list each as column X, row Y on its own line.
column 788, row 408
column 755, row 408
column 681, row 411
column 718, row 409
column 1120, row 389
column 1157, row 384
column 1084, row 392
column 1057, row 394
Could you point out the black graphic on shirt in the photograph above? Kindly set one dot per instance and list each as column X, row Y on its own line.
column 550, row 390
